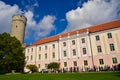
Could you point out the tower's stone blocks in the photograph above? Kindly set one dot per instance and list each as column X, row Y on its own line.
column 18, row 27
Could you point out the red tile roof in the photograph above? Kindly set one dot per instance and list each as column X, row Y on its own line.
column 46, row 40
column 92, row 29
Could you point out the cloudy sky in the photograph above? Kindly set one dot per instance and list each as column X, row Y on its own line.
column 50, row 17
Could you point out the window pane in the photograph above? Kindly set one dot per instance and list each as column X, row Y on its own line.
column 45, row 47
column 75, row 63
column 28, row 50
column 74, row 52
column 101, row 61
column 39, row 56
column 99, row 48
column 112, row 48
column 64, row 43
column 31, row 57
column 97, row 38
column 109, row 35
column 38, row 65
column 73, row 42
column 53, row 54
column 64, row 52
column 46, row 65
column 65, row 64
column 31, row 49
column 39, row 48
column 85, row 62
column 84, row 50
column 53, row 45
column 83, row 40
column 114, row 60
column 45, row 55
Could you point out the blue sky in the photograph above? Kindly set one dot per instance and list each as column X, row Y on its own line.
column 50, row 17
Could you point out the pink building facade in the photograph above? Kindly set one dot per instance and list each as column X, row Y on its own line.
column 94, row 47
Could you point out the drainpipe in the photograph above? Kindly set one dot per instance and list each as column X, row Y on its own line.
column 91, row 49
column 35, row 54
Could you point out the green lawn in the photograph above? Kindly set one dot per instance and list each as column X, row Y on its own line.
column 64, row 76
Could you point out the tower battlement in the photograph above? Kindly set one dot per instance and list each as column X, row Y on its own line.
column 19, row 18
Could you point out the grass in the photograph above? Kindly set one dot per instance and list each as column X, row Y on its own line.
column 64, row 76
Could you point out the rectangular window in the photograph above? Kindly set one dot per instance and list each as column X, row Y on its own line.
column 65, row 64
column 38, row 65
column 101, row 61
column 64, row 52
column 97, row 37
column 85, row 62
column 84, row 50
column 64, row 43
column 83, row 40
column 99, row 48
column 28, row 50
column 45, row 55
column 46, row 65
column 75, row 63
column 45, row 47
column 112, row 48
column 73, row 42
column 53, row 45
column 27, row 58
column 31, row 57
column 39, row 48
column 114, row 60
column 39, row 56
column 74, row 52
column 31, row 49
column 53, row 55
column 109, row 35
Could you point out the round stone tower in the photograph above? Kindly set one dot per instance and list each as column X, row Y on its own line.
column 18, row 27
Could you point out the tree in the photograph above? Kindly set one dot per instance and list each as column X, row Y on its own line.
column 53, row 65
column 32, row 68
column 11, row 54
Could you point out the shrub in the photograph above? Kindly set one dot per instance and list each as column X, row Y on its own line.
column 32, row 68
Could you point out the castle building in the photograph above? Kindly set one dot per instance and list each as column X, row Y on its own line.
column 18, row 27
column 87, row 48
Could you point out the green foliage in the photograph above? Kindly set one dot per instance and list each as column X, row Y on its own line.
column 11, row 54
column 33, row 68
column 53, row 65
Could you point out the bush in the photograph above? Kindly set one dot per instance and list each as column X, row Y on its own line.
column 53, row 65
column 32, row 68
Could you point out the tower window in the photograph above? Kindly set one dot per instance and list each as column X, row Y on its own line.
column 16, row 26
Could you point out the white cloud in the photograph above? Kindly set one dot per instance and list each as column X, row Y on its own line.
column 46, row 25
column 31, row 4
column 34, row 30
column 93, row 12
column 6, row 13
column 40, row 29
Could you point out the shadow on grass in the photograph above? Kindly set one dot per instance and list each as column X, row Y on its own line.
column 117, row 74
